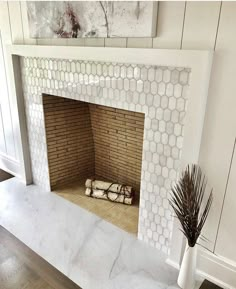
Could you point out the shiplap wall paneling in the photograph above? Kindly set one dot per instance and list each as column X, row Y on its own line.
column 7, row 131
column 225, row 245
column 200, row 25
column 74, row 42
column 115, row 42
column 139, row 42
column 5, row 23
column 199, row 32
column 15, row 18
column 94, row 42
column 25, row 25
column 3, row 148
column 220, row 120
column 2, row 136
column 169, row 25
column 52, row 42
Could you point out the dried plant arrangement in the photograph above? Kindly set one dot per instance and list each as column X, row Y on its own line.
column 187, row 202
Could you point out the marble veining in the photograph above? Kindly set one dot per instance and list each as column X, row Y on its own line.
column 90, row 251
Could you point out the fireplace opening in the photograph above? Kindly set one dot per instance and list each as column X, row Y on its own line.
column 89, row 141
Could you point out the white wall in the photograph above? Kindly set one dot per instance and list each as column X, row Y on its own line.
column 227, row 225
column 181, row 25
column 8, row 152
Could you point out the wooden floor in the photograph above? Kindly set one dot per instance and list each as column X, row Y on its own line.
column 208, row 285
column 21, row 268
column 4, row 176
column 123, row 216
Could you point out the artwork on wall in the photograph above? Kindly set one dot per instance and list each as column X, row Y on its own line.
column 76, row 19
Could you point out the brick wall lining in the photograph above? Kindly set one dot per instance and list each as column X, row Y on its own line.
column 69, row 140
column 118, row 141
column 87, row 140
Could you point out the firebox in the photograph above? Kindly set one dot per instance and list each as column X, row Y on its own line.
column 86, row 140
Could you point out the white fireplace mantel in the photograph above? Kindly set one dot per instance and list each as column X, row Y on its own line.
column 198, row 61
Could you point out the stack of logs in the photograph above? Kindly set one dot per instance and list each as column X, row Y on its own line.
column 109, row 191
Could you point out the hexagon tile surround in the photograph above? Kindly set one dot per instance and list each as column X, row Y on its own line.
column 159, row 92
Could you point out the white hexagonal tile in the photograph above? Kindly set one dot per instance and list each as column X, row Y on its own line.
column 159, row 229
column 149, row 99
column 146, row 87
column 180, row 104
column 144, row 73
column 154, row 88
column 137, row 72
column 156, row 100
column 172, row 140
column 183, row 77
column 178, row 90
column 152, row 112
column 162, row 125
column 159, row 113
column 164, row 138
column 151, row 167
column 167, row 115
column 175, row 76
column 161, row 88
column 151, row 74
column 159, row 74
column 179, row 142
column 175, row 116
column 172, row 103
column 169, row 89
column 163, row 160
column 153, row 147
column 157, row 136
column 166, row 75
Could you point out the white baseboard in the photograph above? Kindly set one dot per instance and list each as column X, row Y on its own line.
column 10, row 165
column 214, row 268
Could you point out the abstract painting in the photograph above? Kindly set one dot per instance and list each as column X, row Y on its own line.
column 76, row 19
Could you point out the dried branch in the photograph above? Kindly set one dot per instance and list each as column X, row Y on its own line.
column 186, row 201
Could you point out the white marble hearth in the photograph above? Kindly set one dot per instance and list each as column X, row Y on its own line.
column 90, row 251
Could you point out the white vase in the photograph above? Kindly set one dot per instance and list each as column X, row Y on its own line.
column 186, row 279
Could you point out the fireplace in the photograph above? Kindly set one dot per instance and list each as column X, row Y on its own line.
column 86, row 140
column 169, row 87
column 157, row 92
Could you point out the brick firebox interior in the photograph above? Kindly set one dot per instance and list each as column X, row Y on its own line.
column 87, row 140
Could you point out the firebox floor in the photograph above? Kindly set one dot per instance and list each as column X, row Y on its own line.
column 123, row 216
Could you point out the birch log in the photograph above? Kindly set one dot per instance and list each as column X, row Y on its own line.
column 115, row 188
column 114, row 197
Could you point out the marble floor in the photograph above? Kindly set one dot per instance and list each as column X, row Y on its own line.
column 90, row 251
column 123, row 216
